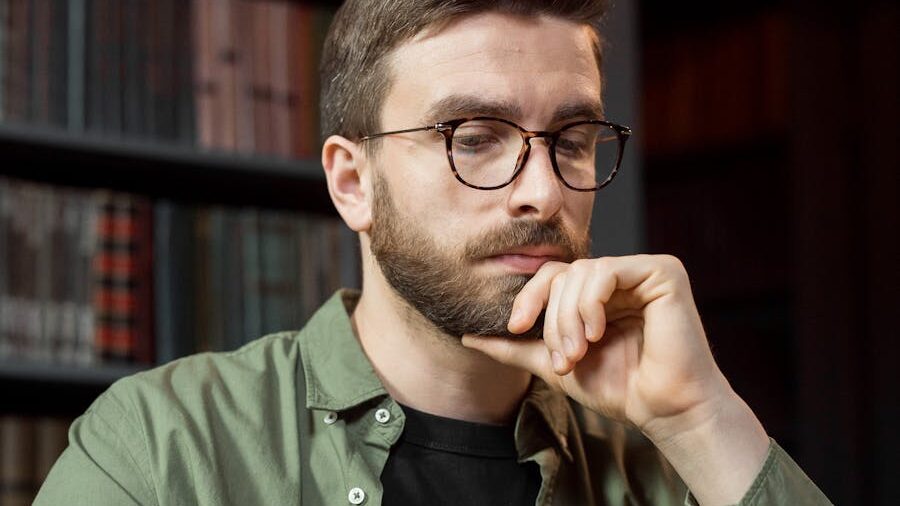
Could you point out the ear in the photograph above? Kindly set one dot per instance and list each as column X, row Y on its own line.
column 344, row 160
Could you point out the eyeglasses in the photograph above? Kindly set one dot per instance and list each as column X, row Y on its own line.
column 489, row 153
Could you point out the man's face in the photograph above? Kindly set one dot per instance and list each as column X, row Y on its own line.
column 457, row 254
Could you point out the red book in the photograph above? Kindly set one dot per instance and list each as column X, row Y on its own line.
column 118, row 277
column 145, row 345
column 303, row 76
column 279, row 13
column 204, row 86
column 242, row 13
column 262, row 90
column 223, row 73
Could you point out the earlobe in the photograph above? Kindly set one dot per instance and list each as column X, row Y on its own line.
column 343, row 160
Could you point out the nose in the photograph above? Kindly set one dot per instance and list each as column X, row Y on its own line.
column 537, row 192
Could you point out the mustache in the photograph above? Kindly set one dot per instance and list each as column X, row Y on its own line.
column 523, row 233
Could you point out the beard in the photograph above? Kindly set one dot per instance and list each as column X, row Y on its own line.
column 442, row 285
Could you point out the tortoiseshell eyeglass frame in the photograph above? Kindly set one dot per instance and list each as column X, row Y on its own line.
column 448, row 128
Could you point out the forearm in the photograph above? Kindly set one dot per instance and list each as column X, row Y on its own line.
column 720, row 455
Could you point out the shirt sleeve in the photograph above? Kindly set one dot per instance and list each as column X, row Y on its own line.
column 105, row 462
column 780, row 481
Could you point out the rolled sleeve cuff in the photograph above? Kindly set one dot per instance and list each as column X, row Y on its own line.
column 780, row 481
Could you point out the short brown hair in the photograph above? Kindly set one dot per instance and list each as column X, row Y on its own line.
column 354, row 72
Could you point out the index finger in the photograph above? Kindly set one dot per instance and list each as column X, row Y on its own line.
column 533, row 297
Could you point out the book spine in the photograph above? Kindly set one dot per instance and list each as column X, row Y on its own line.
column 112, row 98
column 262, row 91
column 303, row 81
column 4, row 61
column 244, row 102
column 95, row 73
column 88, row 216
column 251, row 271
column 142, row 251
column 17, row 460
column 44, row 348
column 279, row 13
column 114, row 268
column 76, row 63
column 5, row 270
column 183, row 78
column 68, row 274
column 19, row 62
column 223, row 65
column 165, row 66
column 50, row 440
column 233, row 281
column 201, row 296
column 57, row 63
column 40, row 67
column 132, row 123
column 173, row 243
column 205, row 90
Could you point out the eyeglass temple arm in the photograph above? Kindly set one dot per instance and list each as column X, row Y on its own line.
column 438, row 127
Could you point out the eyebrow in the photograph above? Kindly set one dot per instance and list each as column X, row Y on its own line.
column 461, row 106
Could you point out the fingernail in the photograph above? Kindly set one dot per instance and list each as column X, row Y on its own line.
column 516, row 316
column 559, row 363
column 569, row 345
column 588, row 332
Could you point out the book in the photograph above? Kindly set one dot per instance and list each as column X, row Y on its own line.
column 17, row 460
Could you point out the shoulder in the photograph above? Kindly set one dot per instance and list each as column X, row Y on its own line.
column 197, row 386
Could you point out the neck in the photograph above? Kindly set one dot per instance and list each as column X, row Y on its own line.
column 428, row 370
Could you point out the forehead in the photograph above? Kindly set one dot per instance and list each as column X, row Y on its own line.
column 529, row 67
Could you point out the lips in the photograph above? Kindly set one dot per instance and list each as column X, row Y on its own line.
column 527, row 260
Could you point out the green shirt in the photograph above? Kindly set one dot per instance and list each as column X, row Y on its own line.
column 301, row 418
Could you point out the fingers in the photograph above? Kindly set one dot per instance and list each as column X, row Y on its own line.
column 574, row 296
column 533, row 297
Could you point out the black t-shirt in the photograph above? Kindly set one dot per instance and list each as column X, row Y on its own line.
column 445, row 461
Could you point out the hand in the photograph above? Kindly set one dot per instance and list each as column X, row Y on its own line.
column 622, row 337
column 637, row 352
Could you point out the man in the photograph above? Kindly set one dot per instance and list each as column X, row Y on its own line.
column 486, row 360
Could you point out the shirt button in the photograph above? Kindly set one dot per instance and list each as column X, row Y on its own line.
column 330, row 418
column 356, row 496
column 383, row 415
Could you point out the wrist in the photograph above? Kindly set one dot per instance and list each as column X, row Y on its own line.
column 717, row 450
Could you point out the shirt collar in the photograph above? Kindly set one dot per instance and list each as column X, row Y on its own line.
column 339, row 376
column 338, row 373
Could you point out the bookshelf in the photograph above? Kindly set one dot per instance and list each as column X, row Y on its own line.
column 717, row 117
column 167, row 153
column 771, row 170
column 90, row 100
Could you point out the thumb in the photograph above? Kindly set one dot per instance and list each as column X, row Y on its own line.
column 528, row 354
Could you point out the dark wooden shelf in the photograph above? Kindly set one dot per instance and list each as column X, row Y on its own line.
column 101, row 375
column 70, row 389
column 162, row 171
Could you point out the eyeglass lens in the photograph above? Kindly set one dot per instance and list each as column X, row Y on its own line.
column 485, row 153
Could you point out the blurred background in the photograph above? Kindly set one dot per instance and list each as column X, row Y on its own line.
column 160, row 195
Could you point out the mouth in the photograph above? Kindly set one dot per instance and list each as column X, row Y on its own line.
column 528, row 259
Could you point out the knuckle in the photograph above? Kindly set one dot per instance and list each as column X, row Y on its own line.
column 602, row 265
column 558, row 281
column 673, row 267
